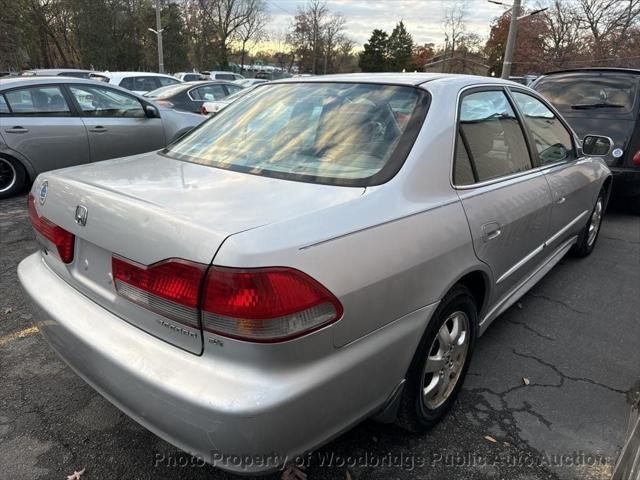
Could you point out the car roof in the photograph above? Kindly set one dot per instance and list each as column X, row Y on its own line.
column 55, row 71
column 7, row 83
column 631, row 71
column 116, row 75
column 412, row 79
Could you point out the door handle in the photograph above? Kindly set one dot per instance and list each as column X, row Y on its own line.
column 17, row 129
column 561, row 200
column 98, row 129
column 490, row 231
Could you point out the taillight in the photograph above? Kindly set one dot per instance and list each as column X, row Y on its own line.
column 164, row 103
column 62, row 239
column 203, row 110
column 636, row 158
column 266, row 304
column 170, row 288
column 258, row 305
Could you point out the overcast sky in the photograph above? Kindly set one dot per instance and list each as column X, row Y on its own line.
column 423, row 18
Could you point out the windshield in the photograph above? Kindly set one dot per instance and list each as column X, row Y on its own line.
column 610, row 93
column 344, row 134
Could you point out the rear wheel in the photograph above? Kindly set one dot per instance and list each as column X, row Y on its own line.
column 589, row 236
column 440, row 363
column 12, row 177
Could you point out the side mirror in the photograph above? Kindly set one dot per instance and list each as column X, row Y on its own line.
column 151, row 112
column 596, row 145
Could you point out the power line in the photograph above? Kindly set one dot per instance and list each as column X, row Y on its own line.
column 273, row 4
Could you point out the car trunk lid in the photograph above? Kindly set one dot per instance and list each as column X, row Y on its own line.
column 149, row 208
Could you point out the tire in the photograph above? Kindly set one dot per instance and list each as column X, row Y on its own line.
column 418, row 411
column 589, row 236
column 13, row 177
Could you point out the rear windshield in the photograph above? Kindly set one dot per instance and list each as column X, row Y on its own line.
column 610, row 93
column 332, row 133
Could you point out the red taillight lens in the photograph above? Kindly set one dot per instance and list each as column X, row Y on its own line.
column 62, row 239
column 164, row 103
column 636, row 158
column 170, row 288
column 266, row 304
column 203, row 110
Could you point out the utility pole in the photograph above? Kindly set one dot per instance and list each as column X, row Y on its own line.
column 158, row 32
column 511, row 39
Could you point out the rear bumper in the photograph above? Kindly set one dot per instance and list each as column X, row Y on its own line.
column 626, row 182
column 245, row 421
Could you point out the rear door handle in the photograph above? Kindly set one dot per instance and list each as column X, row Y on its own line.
column 561, row 200
column 98, row 129
column 490, row 231
column 17, row 129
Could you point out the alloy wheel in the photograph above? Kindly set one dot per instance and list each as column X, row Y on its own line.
column 445, row 360
column 8, row 175
column 594, row 224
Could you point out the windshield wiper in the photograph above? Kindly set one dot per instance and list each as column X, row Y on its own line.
column 588, row 106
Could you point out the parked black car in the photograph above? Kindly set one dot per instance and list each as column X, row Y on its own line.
column 607, row 101
column 190, row 96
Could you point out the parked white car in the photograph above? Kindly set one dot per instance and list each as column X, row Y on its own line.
column 221, row 75
column 250, row 82
column 190, row 76
column 137, row 82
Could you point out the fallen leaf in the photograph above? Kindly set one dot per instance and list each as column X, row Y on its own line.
column 489, row 438
column 8, row 310
column 506, row 444
column 519, row 305
column 293, row 473
column 76, row 475
column 526, row 381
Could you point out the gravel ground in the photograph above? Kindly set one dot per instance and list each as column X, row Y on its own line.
column 575, row 337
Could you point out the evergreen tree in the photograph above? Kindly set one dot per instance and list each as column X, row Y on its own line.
column 400, row 49
column 374, row 57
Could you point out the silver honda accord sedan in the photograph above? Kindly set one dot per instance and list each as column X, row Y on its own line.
column 322, row 251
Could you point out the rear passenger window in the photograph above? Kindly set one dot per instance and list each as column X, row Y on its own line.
column 209, row 93
column 40, row 101
column 490, row 129
column 166, row 81
column 552, row 139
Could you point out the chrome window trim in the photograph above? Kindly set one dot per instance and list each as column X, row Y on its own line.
column 507, row 88
column 495, row 87
column 572, row 135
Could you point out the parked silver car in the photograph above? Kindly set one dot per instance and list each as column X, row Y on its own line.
column 328, row 249
column 48, row 123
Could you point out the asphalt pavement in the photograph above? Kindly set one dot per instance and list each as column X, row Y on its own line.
column 546, row 396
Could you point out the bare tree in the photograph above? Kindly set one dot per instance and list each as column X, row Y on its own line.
column 306, row 34
column 608, row 22
column 253, row 30
column 454, row 29
column 563, row 35
column 333, row 36
column 227, row 17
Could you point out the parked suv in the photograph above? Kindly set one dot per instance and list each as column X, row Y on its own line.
column 603, row 100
